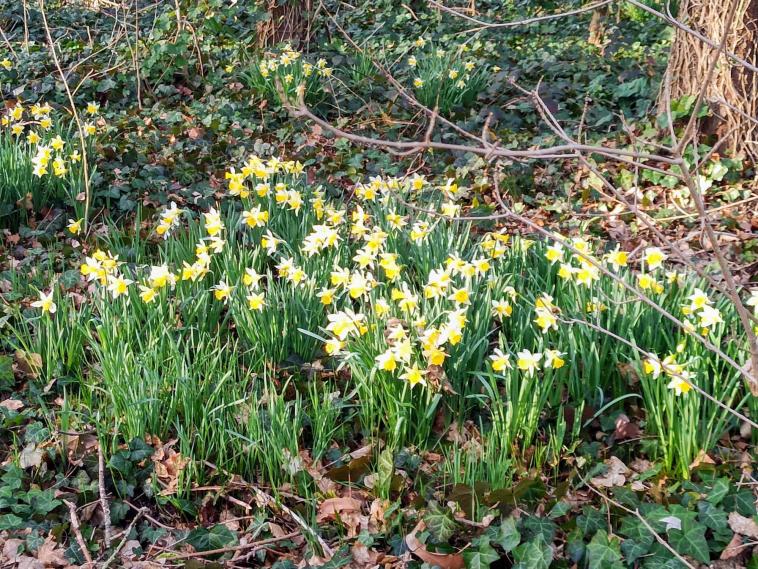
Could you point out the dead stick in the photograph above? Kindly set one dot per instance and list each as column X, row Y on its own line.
column 76, row 528
column 254, row 545
column 140, row 513
column 103, row 496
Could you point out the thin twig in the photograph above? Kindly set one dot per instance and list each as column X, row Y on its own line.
column 103, row 496
column 254, row 545
column 140, row 513
column 149, row 518
column 76, row 528
column 516, row 23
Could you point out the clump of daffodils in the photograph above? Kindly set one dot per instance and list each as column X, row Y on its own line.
column 34, row 130
column 286, row 72
column 357, row 261
column 680, row 378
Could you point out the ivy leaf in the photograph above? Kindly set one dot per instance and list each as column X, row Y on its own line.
column 534, row 527
column 712, row 516
column 42, row 502
column 633, row 528
column 719, row 491
column 439, row 523
column 218, row 536
column 560, row 509
column 6, row 370
column 535, row 554
column 634, row 549
column 691, row 541
column 626, row 496
column 11, row 521
column 663, row 562
column 575, row 547
column 603, row 552
column 743, row 502
column 508, row 536
column 481, row 557
column 590, row 521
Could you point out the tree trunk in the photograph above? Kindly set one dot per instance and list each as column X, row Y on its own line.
column 597, row 29
column 690, row 60
column 288, row 21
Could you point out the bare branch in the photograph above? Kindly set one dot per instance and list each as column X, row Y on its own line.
column 516, row 23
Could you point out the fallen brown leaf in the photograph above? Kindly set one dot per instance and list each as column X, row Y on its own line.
column 734, row 548
column 625, row 429
column 442, row 560
column 52, row 554
column 743, row 526
column 615, row 475
column 12, row 404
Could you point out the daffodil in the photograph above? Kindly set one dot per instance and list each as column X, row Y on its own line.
column 698, row 299
column 57, row 143
column 501, row 309
column 652, row 366
column 160, row 276
column 326, row 296
column 586, row 274
column 709, row 316
column 654, row 258
column 333, row 346
column 346, row 323
column 460, row 296
column 74, row 226
column 414, row 376
column 17, row 112
column 554, row 359
column 435, row 355
column 500, row 360
column 213, row 223
column 387, row 361
column 33, row 138
column 680, row 384
column 46, row 303
column 256, row 301
column 418, row 182
column 270, row 243
column 255, row 217
column 566, row 272
column 554, row 253
column 528, row 362
column 617, row 258
column 545, row 320
column 381, row 307
column 118, row 285
column 251, row 278
column 222, row 291
column 147, row 294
